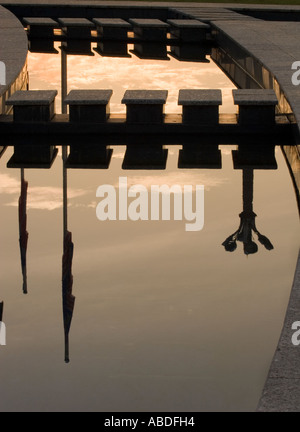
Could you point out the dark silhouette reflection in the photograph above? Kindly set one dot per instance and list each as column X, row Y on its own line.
column 247, row 228
column 145, row 155
column 1, row 310
column 67, row 278
column 190, row 52
column 195, row 154
column 112, row 49
column 150, row 51
column 78, row 47
column 23, row 234
column 32, row 153
column 94, row 155
column 42, row 46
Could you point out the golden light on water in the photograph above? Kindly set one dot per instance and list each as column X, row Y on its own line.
column 120, row 74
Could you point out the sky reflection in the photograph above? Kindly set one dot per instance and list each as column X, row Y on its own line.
column 120, row 74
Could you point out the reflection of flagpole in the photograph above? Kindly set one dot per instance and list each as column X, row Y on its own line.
column 65, row 189
column 23, row 234
column 67, row 277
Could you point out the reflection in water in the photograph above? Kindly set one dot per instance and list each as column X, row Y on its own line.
column 247, row 223
column 67, row 277
column 1, row 310
column 190, row 52
column 150, row 51
column 78, row 47
column 42, row 46
column 64, row 80
column 156, row 333
column 23, row 234
column 114, row 68
column 112, row 49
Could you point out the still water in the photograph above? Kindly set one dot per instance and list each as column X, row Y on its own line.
column 164, row 319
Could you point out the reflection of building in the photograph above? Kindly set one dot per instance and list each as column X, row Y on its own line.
column 247, row 226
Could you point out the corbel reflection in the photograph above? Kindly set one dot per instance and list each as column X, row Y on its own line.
column 248, row 158
column 108, row 48
column 201, row 154
column 42, row 46
column 191, row 52
column 150, row 51
column 78, row 47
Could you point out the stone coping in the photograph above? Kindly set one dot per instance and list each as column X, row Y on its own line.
column 189, row 24
column 145, row 97
column 112, row 22
column 47, row 22
column 199, row 97
column 146, row 23
column 88, row 97
column 254, row 97
column 33, row 97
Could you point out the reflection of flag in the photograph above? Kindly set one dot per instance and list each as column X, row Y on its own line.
column 23, row 234
column 67, row 284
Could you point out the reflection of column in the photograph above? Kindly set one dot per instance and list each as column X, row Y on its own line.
column 247, row 226
column 67, row 277
column 64, row 79
column 248, row 178
column 23, row 234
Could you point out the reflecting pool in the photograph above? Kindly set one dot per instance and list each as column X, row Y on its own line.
column 164, row 319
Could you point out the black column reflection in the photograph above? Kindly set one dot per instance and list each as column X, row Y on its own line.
column 68, row 300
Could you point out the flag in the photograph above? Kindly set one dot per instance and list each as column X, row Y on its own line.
column 67, row 284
